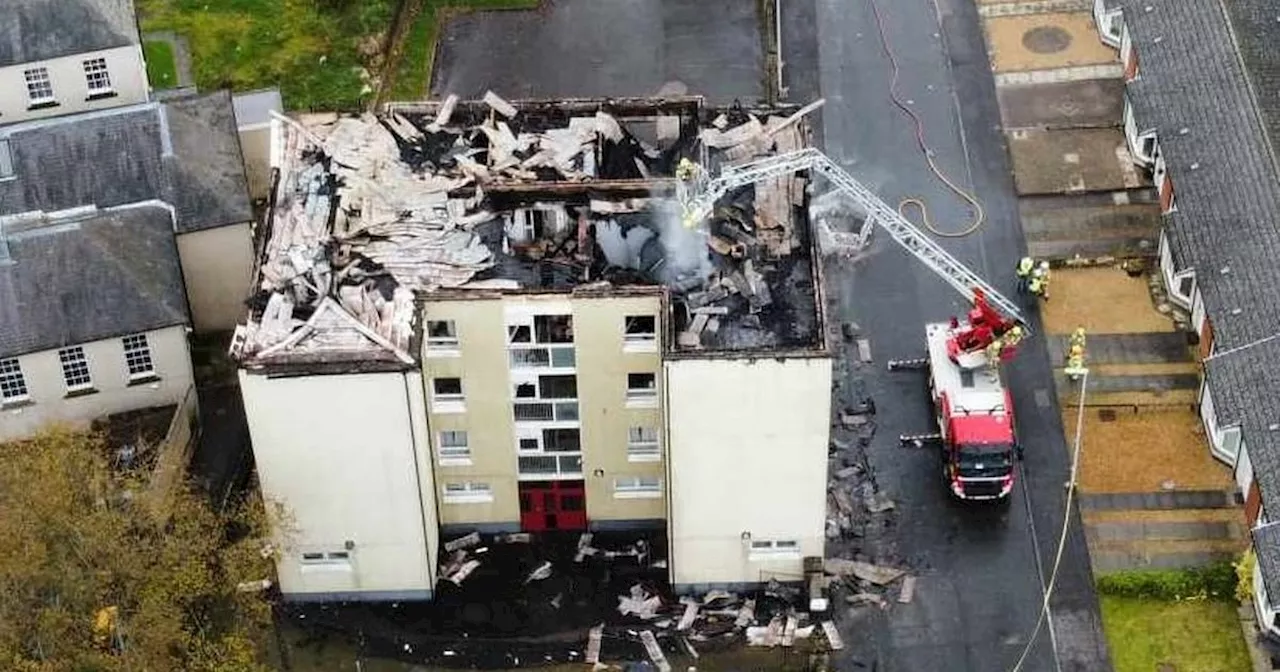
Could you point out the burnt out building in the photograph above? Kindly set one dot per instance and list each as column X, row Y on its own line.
column 490, row 316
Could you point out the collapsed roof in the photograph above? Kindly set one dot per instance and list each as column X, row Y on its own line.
column 461, row 199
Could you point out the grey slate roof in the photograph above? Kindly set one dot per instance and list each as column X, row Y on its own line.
column 1266, row 543
column 1225, row 184
column 37, row 30
column 1256, row 24
column 185, row 152
column 110, row 274
column 1244, row 386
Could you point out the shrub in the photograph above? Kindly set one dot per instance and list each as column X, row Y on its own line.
column 1244, row 575
column 1217, row 582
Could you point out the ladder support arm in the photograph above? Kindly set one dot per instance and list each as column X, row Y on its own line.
column 915, row 241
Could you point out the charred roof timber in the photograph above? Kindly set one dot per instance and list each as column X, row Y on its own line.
column 373, row 215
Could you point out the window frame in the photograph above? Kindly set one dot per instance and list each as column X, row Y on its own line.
column 642, row 396
column 770, row 549
column 94, row 67
column 639, row 448
column 471, row 492
column 39, row 79
column 68, row 357
column 142, row 354
column 326, row 560
column 637, row 487
column 454, row 454
column 443, row 346
column 638, row 336
column 448, row 402
column 13, row 379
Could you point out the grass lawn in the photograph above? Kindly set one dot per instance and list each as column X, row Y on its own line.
column 1192, row 636
column 162, row 70
column 313, row 50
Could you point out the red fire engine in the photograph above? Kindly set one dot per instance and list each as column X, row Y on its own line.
column 973, row 408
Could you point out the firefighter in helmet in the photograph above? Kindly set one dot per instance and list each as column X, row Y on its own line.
column 1075, row 362
column 1039, row 283
column 1078, row 338
column 1025, row 266
column 686, row 169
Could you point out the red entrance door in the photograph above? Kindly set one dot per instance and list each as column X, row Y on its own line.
column 553, row 505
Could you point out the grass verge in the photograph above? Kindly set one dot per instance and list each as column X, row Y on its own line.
column 1192, row 636
column 162, row 68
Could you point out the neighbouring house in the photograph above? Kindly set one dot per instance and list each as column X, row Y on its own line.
column 1203, row 113
column 183, row 152
column 60, row 57
column 473, row 317
column 254, row 111
column 93, row 317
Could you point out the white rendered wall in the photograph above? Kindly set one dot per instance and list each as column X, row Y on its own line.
column 345, row 455
column 747, row 447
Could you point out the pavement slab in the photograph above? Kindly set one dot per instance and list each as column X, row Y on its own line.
column 1184, row 499
column 1029, row 42
column 1058, row 232
column 1073, row 160
column 595, row 48
column 1089, row 103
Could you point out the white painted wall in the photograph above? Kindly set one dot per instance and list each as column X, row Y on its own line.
column 216, row 266
column 125, row 66
column 1244, row 468
column 747, row 449
column 115, row 392
column 347, row 457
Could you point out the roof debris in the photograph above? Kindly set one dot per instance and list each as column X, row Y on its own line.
column 373, row 211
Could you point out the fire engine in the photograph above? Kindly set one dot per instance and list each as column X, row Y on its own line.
column 974, row 411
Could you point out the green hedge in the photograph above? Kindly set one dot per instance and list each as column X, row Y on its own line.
column 1217, row 582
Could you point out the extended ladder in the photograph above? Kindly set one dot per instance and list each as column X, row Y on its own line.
column 700, row 204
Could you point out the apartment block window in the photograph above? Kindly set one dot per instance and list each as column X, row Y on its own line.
column 442, row 335
column 13, row 385
column 558, row 387
column 641, row 331
column 567, row 440
column 447, row 389
column 39, row 88
column 95, row 74
column 642, row 444
column 553, row 328
column 137, row 356
column 453, row 447
column 75, row 369
column 637, row 487
column 642, row 388
column 335, row 559
column 765, row 549
column 467, row 492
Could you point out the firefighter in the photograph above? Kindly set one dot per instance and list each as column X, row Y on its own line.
column 1039, row 284
column 686, row 169
column 1078, row 338
column 1013, row 337
column 1025, row 266
column 1075, row 362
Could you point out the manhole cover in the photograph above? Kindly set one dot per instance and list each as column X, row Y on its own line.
column 1046, row 39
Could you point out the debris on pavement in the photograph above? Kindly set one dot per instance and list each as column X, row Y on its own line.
column 655, row 652
column 866, row 571
column 833, row 635
column 908, row 590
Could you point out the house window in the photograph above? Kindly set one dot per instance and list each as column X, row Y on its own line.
column 39, row 88
column 13, row 385
column 137, row 356
column 641, row 330
column 95, row 74
column 453, row 447
column 637, row 487
column 6, row 159
column 447, row 396
column 642, row 444
column 467, row 492
column 442, row 335
column 765, row 549
column 75, row 369
column 642, row 388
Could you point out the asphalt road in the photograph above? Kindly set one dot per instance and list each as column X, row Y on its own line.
column 982, row 569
